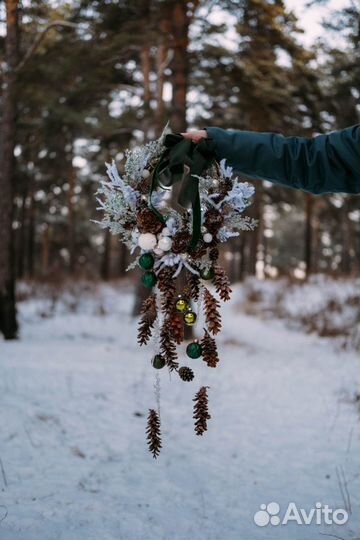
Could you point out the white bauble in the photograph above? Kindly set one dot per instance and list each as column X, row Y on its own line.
column 147, row 241
column 145, row 174
column 207, row 238
column 165, row 232
column 165, row 243
column 203, row 229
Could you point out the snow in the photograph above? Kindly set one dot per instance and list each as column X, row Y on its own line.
column 75, row 392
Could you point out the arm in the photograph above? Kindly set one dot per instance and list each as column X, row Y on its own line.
column 323, row 164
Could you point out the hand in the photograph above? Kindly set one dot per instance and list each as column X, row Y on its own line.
column 195, row 136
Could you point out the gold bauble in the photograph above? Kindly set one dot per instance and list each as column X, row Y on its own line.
column 181, row 305
column 190, row 318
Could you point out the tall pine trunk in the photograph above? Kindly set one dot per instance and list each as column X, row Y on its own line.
column 308, row 243
column 8, row 322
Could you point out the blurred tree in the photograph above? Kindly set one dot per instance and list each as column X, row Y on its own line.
column 266, row 83
column 8, row 322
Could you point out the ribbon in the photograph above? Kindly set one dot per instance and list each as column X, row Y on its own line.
column 181, row 159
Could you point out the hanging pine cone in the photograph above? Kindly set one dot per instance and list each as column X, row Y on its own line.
column 212, row 314
column 180, row 241
column 168, row 346
column 222, row 283
column 213, row 221
column 201, row 411
column 192, row 286
column 148, row 222
column 167, row 287
column 214, row 254
column 146, row 323
column 209, row 349
column 186, row 373
column 176, row 322
column 153, row 433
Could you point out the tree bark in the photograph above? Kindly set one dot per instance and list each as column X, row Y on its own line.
column 180, row 65
column 308, row 253
column 105, row 261
column 8, row 321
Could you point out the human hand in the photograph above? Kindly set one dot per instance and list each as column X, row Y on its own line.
column 195, row 136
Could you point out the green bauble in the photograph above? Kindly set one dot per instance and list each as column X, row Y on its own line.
column 207, row 274
column 146, row 261
column 158, row 361
column 148, row 279
column 190, row 318
column 181, row 305
column 194, row 350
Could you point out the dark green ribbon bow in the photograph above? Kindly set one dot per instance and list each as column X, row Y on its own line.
column 181, row 159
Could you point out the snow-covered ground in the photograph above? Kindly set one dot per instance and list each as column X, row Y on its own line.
column 75, row 391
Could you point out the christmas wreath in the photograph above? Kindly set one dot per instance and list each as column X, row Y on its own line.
column 172, row 206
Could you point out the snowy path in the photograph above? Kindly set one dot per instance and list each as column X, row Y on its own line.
column 75, row 465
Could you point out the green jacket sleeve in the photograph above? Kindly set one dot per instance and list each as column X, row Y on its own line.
column 322, row 164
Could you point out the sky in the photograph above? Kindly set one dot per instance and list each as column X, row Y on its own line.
column 310, row 18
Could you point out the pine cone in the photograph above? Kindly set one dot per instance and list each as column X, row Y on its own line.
column 225, row 187
column 186, row 373
column 201, row 411
column 214, row 254
column 168, row 346
column 167, row 287
column 209, row 350
column 213, row 221
column 144, row 186
column 212, row 314
column 192, row 286
column 177, row 327
column 199, row 251
column 153, row 433
column 148, row 222
column 146, row 323
column 222, row 283
column 180, row 241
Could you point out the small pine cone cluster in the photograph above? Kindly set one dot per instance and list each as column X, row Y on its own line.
column 153, row 433
column 209, row 350
column 212, row 313
column 222, row 283
column 147, row 221
column 213, row 221
column 186, row 373
column 180, row 241
column 201, row 412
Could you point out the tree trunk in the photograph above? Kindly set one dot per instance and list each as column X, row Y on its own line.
column 180, row 65
column 8, row 322
column 105, row 261
column 71, row 222
column 347, row 239
column 308, row 254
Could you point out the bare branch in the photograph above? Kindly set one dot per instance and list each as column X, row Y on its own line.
column 39, row 39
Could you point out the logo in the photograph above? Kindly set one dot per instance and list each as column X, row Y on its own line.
column 320, row 515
